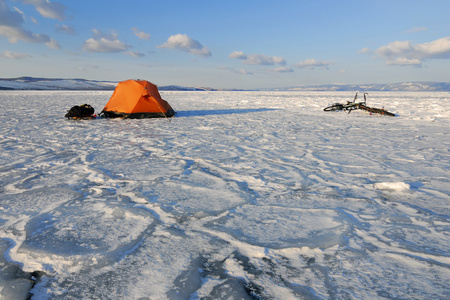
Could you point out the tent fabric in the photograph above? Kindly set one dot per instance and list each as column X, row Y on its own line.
column 137, row 99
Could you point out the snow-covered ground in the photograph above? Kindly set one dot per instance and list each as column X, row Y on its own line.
column 243, row 195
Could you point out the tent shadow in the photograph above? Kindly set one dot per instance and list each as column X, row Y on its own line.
column 197, row 113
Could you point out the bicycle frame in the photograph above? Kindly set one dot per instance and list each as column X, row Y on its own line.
column 354, row 105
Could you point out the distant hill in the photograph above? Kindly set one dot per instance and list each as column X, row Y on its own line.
column 403, row 86
column 33, row 83
column 76, row 84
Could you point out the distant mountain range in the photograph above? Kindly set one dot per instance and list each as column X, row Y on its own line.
column 33, row 83
column 402, row 86
column 76, row 84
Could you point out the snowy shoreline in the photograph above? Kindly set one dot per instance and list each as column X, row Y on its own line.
column 242, row 194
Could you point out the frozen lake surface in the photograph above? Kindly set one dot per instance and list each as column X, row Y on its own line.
column 243, row 195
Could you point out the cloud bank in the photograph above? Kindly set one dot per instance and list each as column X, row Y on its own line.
column 11, row 27
column 265, row 60
column 184, row 43
column 405, row 53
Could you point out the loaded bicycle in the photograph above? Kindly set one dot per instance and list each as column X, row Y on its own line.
column 353, row 105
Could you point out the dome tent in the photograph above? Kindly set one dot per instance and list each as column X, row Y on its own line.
column 137, row 99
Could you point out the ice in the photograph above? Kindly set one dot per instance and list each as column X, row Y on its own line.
column 392, row 186
column 277, row 227
column 243, row 195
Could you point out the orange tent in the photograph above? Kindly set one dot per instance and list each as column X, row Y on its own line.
column 137, row 99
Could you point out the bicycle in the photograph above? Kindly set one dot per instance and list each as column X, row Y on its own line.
column 353, row 105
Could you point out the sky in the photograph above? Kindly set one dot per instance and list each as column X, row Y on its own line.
column 245, row 44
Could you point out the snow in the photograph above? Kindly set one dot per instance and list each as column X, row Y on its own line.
column 393, row 186
column 242, row 195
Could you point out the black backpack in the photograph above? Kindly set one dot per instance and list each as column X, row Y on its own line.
column 81, row 111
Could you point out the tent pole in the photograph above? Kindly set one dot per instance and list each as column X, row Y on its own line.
column 160, row 108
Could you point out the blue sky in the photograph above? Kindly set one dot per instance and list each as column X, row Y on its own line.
column 227, row 44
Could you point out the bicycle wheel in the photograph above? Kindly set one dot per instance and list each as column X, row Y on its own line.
column 334, row 107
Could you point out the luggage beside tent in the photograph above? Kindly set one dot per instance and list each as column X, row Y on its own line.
column 137, row 99
column 84, row 111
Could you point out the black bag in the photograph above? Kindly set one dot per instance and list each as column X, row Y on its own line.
column 81, row 111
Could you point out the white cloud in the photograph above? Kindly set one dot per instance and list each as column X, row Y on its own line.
column 238, row 55
column 417, row 29
column 403, row 61
column 65, row 29
column 237, row 71
column 311, row 64
column 15, row 34
column 405, row 53
column 257, row 59
column 47, row 9
column 135, row 54
column 281, row 70
column 261, row 59
column 364, row 50
column 393, row 49
column 53, row 44
column 141, row 34
column 106, row 43
column 20, row 12
column 11, row 27
column 14, row 55
column 436, row 49
column 98, row 34
column 184, row 43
